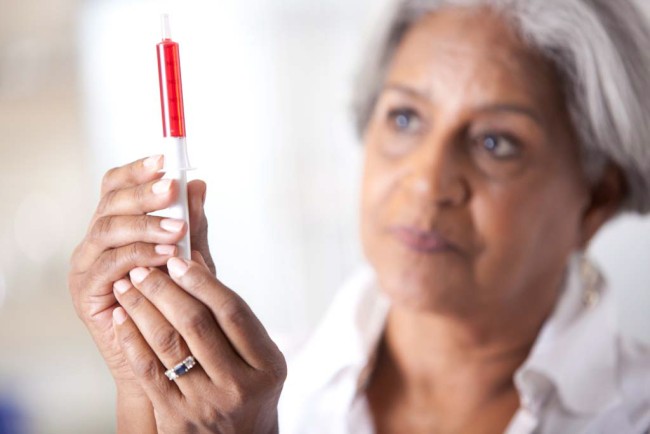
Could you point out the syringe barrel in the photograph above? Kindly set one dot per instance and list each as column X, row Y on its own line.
column 176, row 166
column 171, row 89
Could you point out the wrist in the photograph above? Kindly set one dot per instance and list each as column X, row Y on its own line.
column 135, row 412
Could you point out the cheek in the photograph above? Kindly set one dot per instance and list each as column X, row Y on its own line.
column 526, row 233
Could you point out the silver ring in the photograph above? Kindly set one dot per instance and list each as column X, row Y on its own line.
column 181, row 369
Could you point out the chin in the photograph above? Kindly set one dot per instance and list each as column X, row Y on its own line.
column 423, row 290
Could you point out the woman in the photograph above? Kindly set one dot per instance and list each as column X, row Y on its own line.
column 500, row 136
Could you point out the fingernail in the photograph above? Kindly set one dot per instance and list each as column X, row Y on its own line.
column 165, row 250
column 171, row 225
column 162, row 187
column 138, row 275
column 153, row 163
column 121, row 286
column 177, row 267
column 205, row 192
column 120, row 316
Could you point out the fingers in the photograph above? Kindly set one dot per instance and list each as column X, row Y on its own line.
column 198, row 222
column 138, row 199
column 132, row 174
column 196, row 194
column 239, row 324
column 193, row 320
column 167, row 343
column 114, row 264
column 118, row 231
column 143, row 361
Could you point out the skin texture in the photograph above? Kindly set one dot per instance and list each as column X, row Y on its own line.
column 145, row 321
column 471, row 143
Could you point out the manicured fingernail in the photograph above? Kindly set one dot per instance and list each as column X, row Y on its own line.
column 121, row 286
column 153, row 163
column 165, row 250
column 120, row 316
column 161, row 187
column 171, row 225
column 138, row 275
column 177, row 267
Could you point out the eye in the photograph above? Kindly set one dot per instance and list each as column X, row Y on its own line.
column 404, row 120
column 499, row 146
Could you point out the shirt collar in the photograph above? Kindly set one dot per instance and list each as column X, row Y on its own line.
column 575, row 352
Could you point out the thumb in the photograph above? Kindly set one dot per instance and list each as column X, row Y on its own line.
column 196, row 194
column 196, row 191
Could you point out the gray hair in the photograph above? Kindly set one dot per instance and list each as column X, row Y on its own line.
column 601, row 50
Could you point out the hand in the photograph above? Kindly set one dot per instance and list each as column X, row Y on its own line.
column 236, row 384
column 121, row 237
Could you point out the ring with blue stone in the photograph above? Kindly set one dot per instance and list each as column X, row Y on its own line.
column 181, row 369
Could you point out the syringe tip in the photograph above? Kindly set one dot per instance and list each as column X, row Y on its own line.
column 166, row 29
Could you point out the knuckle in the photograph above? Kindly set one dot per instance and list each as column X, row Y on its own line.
column 235, row 311
column 200, row 323
column 211, row 417
column 136, row 252
column 277, row 369
column 107, row 262
column 107, row 180
column 128, row 338
column 140, row 193
column 145, row 367
column 105, row 203
column 200, row 280
column 273, row 375
column 237, row 396
column 142, row 224
column 101, row 229
column 155, row 284
column 169, row 341
column 121, row 259
column 134, row 302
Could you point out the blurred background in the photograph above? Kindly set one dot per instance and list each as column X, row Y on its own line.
column 267, row 95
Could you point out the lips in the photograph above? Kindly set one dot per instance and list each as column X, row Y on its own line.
column 422, row 241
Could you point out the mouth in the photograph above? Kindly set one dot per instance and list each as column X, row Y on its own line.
column 422, row 241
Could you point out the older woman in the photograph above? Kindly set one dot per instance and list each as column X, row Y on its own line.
column 499, row 137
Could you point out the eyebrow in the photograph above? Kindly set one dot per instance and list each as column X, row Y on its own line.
column 408, row 90
column 486, row 108
column 512, row 108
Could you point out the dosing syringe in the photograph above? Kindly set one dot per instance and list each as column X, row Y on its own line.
column 173, row 121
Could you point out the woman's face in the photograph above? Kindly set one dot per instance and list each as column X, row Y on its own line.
column 473, row 192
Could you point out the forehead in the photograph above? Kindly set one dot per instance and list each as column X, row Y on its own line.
column 475, row 53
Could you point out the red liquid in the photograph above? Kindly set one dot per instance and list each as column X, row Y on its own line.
column 171, row 89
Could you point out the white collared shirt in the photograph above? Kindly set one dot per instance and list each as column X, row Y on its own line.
column 581, row 375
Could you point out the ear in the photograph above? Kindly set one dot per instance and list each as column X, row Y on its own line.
column 605, row 200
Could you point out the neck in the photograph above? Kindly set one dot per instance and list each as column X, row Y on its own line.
column 455, row 368
column 429, row 351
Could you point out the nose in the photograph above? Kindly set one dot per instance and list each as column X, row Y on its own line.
column 437, row 175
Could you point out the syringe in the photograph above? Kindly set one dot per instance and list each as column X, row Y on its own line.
column 173, row 120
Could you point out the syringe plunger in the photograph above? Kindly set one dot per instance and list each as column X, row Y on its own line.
column 166, row 29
